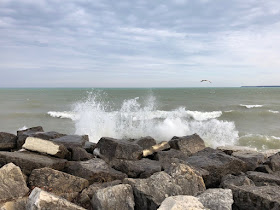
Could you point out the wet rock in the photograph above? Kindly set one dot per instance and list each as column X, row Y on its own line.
column 56, row 182
column 218, row 199
column 79, row 154
column 156, row 148
column 45, row 146
column 263, row 179
column 110, row 149
column 72, row 140
column 146, row 142
column 7, row 141
column 94, row 170
column 28, row 161
column 187, row 144
column 12, row 183
column 181, row 202
column 115, row 197
column 230, row 149
column 39, row 199
column 18, row 204
column 140, row 168
column 252, row 159
column 89, row 147
column 274, row 162
column 217, row 163
column 23, row 134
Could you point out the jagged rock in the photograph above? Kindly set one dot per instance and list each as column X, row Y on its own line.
column 89, row 146
column 187, row 178
column 264, row 169
column 274, row 162
column 7, row 141
column 263, row 179
column 110, row 149
column 45, row 146
column 230, row 149
column 72, row 140
column 229, row 181
column 56, row 182
column 115, row 197
column 47, row 135
column 181, row 202
column 156, row 148
column 12, row 183
column 79, row 154
column 28, row 161
column 39, row 199
column 217, row 163
column 187, row 144
column 252, row 159
column 94, row 170
column 149, row 193
column 167, row 157
column 23, row 134
column 218, row 199
column 146, row 142
column 140, row 168
column 18, row 204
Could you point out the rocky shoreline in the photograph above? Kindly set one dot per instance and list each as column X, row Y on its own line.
column 49, row 170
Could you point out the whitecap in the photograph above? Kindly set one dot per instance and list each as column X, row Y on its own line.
column 251, row 106
column 65, row 115
column 275, row 112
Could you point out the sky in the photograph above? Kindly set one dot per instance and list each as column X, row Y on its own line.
column 139, row 43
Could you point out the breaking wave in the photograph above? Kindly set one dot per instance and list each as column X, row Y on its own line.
column 65, row 115
column 251, row 106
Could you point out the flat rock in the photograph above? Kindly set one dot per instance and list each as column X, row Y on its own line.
column 252, row 159
column 110, row 149
column 94, row 170
column 230, row 149
column 218, row 199
column 187, row 144
column 7, row 141
column 115, row 197
column 23, row 134
column 28, row 161
column 146, row 142
column 18, row 204
column 181, row 202
column 72, row 140
column 79, row 154
column 12, row 183
column 56, row 182
column 263, row 179
column 217, row 163
column 156, row 148
column 39, row 199
column 136, row 169
column 45, row 146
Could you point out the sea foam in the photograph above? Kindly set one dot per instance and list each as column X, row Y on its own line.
column 251, row 106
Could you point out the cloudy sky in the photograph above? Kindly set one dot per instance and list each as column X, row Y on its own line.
column 139, row 43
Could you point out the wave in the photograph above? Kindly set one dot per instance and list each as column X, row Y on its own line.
column 259, row 141
column 64, row 115
column 251, row 106
column 272, row 111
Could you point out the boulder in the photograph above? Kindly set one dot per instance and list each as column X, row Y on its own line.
column 23, row 134
column 45, row 146
column 72, row 140
column 136, row 169
column 7, row 141
column 264, row 168
column 167, row 157
column 156, row 148
column 263, row 179
column 230, row 181
column 252, row 159
column 110, row 149
column 18, row 204
column 115, row 197
column 146, row 142
column 28, row 161
column 89, row 147
column 94, row 170
column 230, row 149
column 47, row 135
column 56, row 182
column 218, row 199
column 149, row 193
column 12, row 183
column 187, row 144
column 217, row 163
column 274, row 162
column 270, row 152
column 181, row 202
column 39, row 199
column 79, row 154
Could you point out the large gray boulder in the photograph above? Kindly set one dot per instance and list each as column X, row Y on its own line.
column 217, row 199
column 187, row 144
column 7, row 141
column 79, row 154
column 72, row 140
column 94, row 170
column 23, row 134
column 217, row 163
column 47, row 135
column 28, row 161
column 39, row 200
column 274, row 162
column 165, row 158
column 12, row 183
column 110, row 149
column 181, row 202
column 136, row 169
column 56, row 182
column 263, row 179
column 251, row 158
column 45, row 146
column 115, row 197
column 146, row 142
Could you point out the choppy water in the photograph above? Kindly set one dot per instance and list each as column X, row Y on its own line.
column 221, row 116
